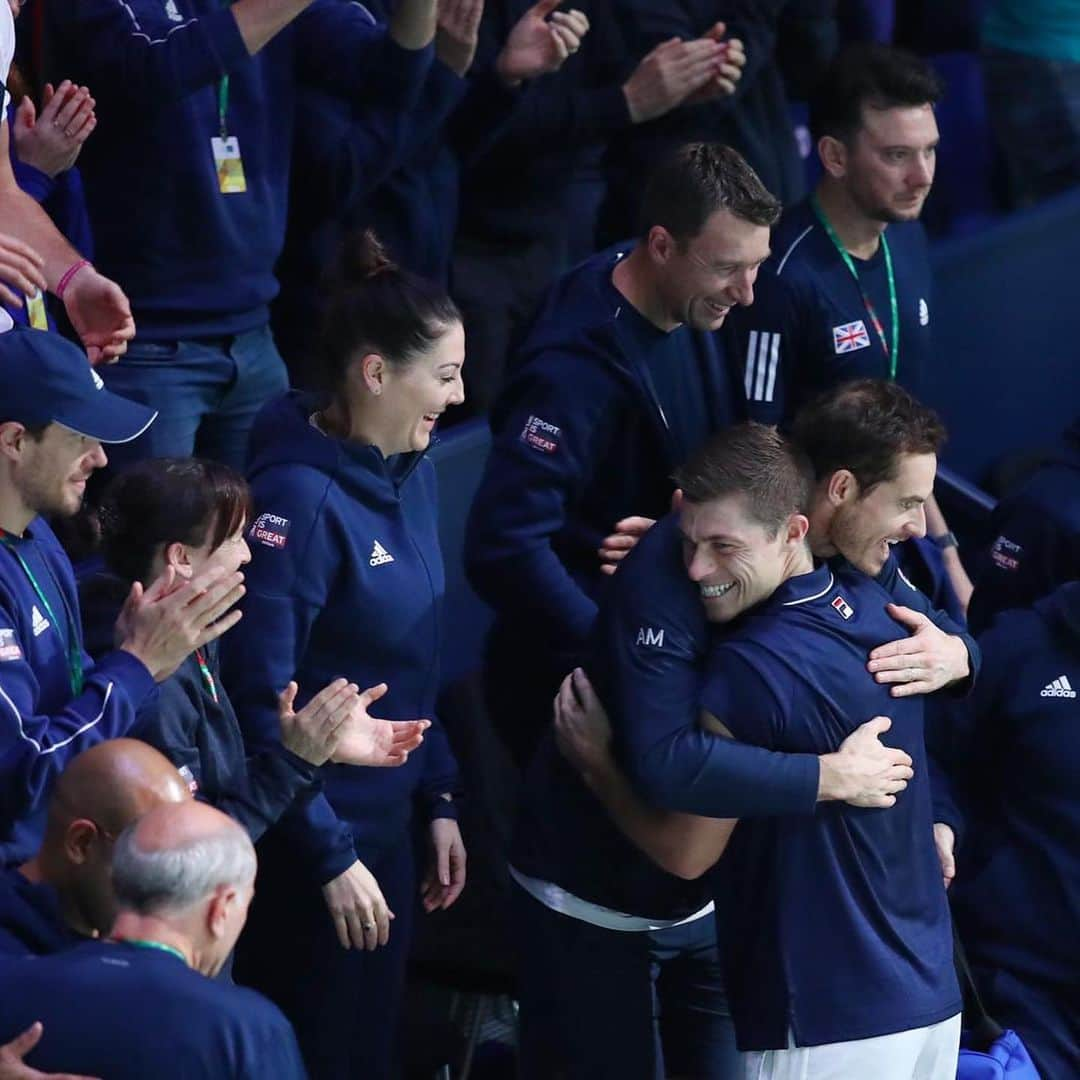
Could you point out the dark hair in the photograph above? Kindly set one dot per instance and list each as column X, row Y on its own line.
column 756, row 462
column 872, row 75
column 375, row 306
column 33, row 431
column 165, row 501
column 697, row 180
column 865, row 426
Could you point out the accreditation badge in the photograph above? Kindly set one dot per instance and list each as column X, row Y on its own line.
column 230, row 168
column 35, row 311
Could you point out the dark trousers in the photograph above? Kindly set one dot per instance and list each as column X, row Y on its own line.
column 602, row 1004
column 343, row 1003
column 499, row 292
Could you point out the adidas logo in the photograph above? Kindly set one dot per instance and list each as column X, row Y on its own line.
column 379, row 555
column 1058, row 688
column 173, row 12
column 41, row 624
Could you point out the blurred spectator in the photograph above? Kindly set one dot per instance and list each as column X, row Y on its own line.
column 847, row 291
column 1018, row 872
column 516, row 195
column 620, row 378
column 787, row 44
column 1031, row 57
column 171, row 516
column 1037, row 536
column 35, row 256
column 145, row 1003
column 346, row 578
column 197, row 107
column 56, row 701
column 63, row 894
column 400, row 176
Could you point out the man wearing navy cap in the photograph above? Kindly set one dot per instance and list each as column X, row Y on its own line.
column 54, row 700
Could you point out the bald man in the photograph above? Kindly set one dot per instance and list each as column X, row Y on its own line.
column 144, row 1003
column 63, row 895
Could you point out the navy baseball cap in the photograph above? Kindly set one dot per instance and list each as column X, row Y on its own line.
column 47, row 379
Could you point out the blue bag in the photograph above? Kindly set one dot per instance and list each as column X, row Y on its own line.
column 987, row 1050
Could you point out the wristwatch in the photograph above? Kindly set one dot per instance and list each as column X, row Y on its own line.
column 944, row 541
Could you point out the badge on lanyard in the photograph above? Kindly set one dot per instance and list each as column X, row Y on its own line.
column 226, row 148
column 35, row 311
column 230, row 168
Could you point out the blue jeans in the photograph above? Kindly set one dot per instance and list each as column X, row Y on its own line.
column 602, row 1004
column 206, row 391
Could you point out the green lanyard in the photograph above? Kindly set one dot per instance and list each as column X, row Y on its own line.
column 142, row 943
column 892, row 355
column 74, row 649
column 223, row 104
column 207, row 674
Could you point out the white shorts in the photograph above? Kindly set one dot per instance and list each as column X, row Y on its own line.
column 926, row 1053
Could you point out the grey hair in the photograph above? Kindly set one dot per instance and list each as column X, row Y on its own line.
column 174, row 879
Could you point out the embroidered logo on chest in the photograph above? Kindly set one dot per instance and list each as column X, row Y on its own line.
column 850, row 336
column 39, row 622
column 9, row 646
column 843, row 607
column 379, row 555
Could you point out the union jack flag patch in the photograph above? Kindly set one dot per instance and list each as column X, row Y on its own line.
column 850, row 336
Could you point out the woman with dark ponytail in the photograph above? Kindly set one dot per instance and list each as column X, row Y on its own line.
column 346, row 577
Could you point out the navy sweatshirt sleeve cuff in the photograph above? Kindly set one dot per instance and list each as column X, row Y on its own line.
column 38, row 185
column 439, row 807
column 130, row 673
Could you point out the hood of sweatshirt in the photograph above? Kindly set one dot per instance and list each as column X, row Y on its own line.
column 283, row 434
column 1061, row 609
column 581, row 315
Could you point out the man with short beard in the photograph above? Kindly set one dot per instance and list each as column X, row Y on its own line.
column 847, row 292
column 55, row 701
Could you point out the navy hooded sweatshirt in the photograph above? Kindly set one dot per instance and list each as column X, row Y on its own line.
column 45, row 721
column 602, row 409
column 195, row 262
column 192, row 722
column 1037, row 537
column 346, row 579
column 646, row 663
column 1017, row 889
column 129, row 1012
column 200, row 735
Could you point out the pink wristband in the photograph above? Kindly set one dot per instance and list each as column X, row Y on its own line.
column 69, row 273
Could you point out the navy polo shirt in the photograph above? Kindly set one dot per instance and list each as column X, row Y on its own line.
column 836, row 924
column 808, row 328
